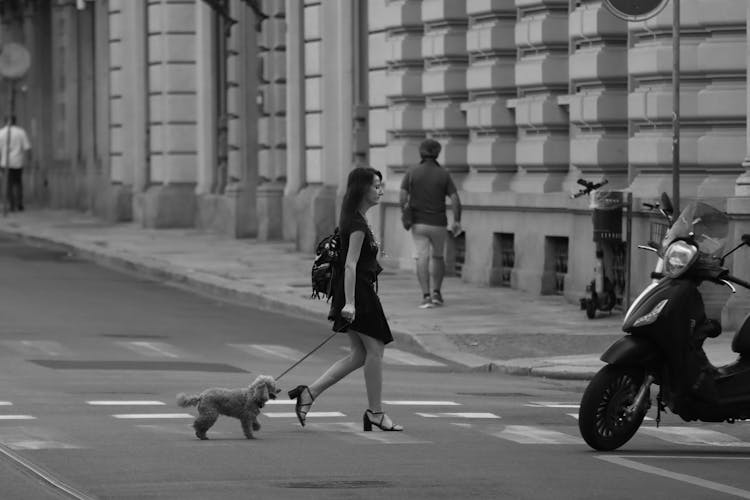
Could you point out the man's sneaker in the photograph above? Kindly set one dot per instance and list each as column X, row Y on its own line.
column 437, row 298
column 426, row 303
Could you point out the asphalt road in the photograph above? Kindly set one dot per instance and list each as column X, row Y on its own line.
column 91, row 361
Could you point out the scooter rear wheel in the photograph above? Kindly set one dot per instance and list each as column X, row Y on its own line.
column 603, row 420
column 591, row 306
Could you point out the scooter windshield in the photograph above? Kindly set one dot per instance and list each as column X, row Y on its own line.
column 710, row 228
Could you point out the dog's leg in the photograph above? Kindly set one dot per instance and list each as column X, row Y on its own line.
column 256, row 425
column 246, row 427
column 204, row 422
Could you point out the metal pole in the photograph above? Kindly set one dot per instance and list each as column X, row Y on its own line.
column 676, row 105
column 628, row 246
column 5, row 181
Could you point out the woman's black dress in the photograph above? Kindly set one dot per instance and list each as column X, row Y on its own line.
column 369, row 318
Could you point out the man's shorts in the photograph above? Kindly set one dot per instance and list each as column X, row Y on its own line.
column 429, row 240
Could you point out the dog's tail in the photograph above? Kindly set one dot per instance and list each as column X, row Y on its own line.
column 184, row 400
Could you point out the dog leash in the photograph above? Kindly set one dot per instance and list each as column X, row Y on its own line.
column 307, row 355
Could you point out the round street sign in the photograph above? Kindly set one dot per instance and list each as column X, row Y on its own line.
column 635, row 10
column 14, row 61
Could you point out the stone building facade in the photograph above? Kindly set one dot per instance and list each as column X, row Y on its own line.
column 170, row 114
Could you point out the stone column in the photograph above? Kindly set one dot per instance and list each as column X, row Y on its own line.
column 272, row 157
column 373, row 105
column 444, row 82
column 39, row 101
column 169, row 199
column 738, row 208
column 241, row 191
column 240, row 198
column 127, row 94
column 598, row 100
column 343, row 81
column 491, row 151
column 541, row 75
column 295, row 114
column 712, row 94
column 404, row 32
column 227, row 197
column 100, row 196
column 205, row 69
column 742, row 185
column 328, row 137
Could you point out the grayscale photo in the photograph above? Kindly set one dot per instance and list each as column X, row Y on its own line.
column 374, row 249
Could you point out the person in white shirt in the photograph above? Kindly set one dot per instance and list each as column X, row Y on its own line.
column 19, row 148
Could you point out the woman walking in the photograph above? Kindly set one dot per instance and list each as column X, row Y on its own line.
column 355, row 306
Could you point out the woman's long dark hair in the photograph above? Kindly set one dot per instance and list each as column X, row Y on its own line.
column 359, row 181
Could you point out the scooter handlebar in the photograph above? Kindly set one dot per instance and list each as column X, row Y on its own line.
column 736, row 281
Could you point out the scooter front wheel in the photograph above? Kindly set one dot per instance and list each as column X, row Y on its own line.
column 603, row 418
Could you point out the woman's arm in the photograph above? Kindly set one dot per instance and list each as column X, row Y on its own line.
column 356, row 239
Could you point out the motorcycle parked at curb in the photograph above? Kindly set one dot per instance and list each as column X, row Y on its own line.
column 666, row 326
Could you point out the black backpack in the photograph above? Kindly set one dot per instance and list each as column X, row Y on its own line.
column 326, row 258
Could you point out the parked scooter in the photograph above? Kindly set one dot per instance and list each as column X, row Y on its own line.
column 664, row 206
column 666, row 326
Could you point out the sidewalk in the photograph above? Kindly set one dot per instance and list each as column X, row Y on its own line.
column 479, row 328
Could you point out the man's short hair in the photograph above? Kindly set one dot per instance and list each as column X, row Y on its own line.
column 430, row 148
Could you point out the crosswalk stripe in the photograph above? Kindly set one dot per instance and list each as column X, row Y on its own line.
column 575, row 416
column 393, row 356
column 393, row 437
column 525, row 434
column 312, row 414
column 397, row 357
column 278, row 351
column 152, row 415
column 34, row 438
column 458, row 415
column 695, row 436
column 151, row 349
column 352, row 432
column 17, row 417
column 125, row 403
column 281, row 401
column 173, row 428
column 552, row 404
column 422, row 403
column 6, row 403
column 36, row 347
column 38, row 444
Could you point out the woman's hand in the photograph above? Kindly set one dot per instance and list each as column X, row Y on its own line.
column 348, row 312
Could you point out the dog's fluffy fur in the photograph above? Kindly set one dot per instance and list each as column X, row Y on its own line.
column 244, row 404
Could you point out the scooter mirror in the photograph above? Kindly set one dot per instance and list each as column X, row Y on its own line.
column 666, row 203
column 746, row 239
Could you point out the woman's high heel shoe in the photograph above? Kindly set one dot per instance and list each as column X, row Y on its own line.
column 376, row 418
column 301, row 408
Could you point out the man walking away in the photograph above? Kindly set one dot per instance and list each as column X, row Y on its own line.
column 426, row 186
column 19, row 148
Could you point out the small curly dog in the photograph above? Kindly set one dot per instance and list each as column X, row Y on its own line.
column 244, row 404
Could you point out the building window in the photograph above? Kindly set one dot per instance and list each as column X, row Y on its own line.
column 555, row 265
column 222, row 30
column 503, row 259
column 455, row 255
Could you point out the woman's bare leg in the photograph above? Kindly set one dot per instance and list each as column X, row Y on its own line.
column 342, row 367
column 373, row 371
